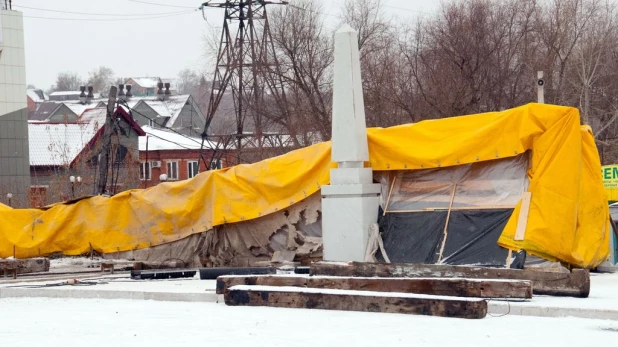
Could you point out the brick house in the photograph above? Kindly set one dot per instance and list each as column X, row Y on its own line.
column 178, row 112
column 61, row 150
column 165, row 152
column 147, row 86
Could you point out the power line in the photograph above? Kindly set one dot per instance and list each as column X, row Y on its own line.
column 101, row 14
column 111, row 19
column 407, row 9
column 159, row 4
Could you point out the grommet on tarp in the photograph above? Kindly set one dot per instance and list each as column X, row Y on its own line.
column 242, row 217
column 477, row 158
column 421, row 166
column 304, row 192
column 224, row 220
column 388, row 166
column 439, row 165
column 291, row 203
column 516, row 152
column 457, row 161
column 405, row 166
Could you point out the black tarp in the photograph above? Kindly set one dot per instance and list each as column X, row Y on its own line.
column 472, row 235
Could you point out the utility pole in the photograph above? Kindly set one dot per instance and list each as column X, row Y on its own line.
column 540, row 87
column 242, row 62
column 107, row 141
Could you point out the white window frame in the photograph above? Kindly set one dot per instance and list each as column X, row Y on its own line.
column 167, row 167
column 143, row 170
column 190, row 173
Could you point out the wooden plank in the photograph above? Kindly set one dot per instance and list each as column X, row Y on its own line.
column 226, row 282
column 462, row 287
column 23, row 266
column 448, row 217
column 291, row 297
column 433, row 209
column 522, row 221
column 575, row 283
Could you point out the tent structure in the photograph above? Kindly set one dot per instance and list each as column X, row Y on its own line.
column 528, row 178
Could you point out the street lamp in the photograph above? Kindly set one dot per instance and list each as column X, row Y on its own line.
column 72, row 179
column 9, row 196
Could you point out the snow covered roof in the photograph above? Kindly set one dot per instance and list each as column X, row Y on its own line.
column 169, row 108
column 68, row 92
column 146, row 82
column 159, row 139
column 37, row 95
column 78, row 108
column 43, row 111
column 57, row 144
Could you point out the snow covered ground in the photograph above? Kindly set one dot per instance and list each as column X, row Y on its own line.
column 73, row 319
column 56, row 322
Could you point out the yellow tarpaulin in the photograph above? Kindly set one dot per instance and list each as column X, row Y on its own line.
column 568, row 217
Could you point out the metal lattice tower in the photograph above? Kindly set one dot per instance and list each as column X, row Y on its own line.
column 245, row 61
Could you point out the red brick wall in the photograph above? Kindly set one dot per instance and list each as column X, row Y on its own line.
column 182, row 157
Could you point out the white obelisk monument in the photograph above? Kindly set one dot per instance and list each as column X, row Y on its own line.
column 350, row 203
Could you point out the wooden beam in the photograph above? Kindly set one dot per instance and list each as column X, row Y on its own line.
column 224, row 283
column 24, row 266
column 325, row 299
column 576, row 283
column 462, row 287
column 522, row 220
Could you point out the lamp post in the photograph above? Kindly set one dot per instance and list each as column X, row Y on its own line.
column 73, row 179
column 9, row 196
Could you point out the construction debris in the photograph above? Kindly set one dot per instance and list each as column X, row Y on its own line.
column 23, row 266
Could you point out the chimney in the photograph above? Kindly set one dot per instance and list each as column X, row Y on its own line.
column 121, row 94
column 82, row 95
column 90, row 94
column 129, row 94
column 167, row 90
column 160, row 94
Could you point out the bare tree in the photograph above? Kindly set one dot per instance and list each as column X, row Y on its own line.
column 101, row 79
column 66, row 81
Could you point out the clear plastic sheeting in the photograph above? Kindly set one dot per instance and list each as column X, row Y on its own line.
column 491, row 184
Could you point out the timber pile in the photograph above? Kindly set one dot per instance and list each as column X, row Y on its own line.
column 445, row 297
column 437, row 290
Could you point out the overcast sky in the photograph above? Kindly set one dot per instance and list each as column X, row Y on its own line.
column 135, row 38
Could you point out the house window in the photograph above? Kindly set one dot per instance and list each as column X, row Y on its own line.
column 151, row 123
column 216, row 164
column 172, row 170
column 193, row 168
column 145, row 171
column 121, row 154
